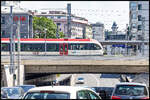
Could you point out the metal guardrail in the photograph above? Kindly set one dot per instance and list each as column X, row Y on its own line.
column 132, row 42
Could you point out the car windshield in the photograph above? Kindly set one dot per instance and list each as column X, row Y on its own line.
column 133, row 90
column 38, row 95
column 11, row 91
column 26, row 88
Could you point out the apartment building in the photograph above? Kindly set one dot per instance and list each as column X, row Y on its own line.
column 78, row 24
column 98, row 31
column 139, row 20
column 26, row 29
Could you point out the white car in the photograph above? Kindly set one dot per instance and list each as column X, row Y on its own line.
column 61, row 92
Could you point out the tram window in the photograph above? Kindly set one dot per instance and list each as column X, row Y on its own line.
column 26, row 47
column 77, row 46
column 16, row 46
column 5, row 46
column 69, row 46
column 97, row 47
column 94, row 47
column 38, row 47
column 85, row 46
column 52, row 47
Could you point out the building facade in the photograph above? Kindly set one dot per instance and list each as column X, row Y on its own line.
column 26, row 27
column 114, row 28
column 98, row 31
column 88, row 32
column 8, row 3
column 60, row 19
column 139, row 20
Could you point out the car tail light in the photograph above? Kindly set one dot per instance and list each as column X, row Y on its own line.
column 145, row 98
column 115, row 97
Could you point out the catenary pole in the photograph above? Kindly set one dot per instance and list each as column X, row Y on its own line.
column 18, row 35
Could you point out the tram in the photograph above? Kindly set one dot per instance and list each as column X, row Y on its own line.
column 54, row 46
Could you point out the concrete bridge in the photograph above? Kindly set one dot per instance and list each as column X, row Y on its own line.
column 84, row 66
column 47, row 68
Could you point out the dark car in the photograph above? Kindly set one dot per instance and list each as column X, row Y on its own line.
column 13, row 92
column 26, row 87
column 129, row 90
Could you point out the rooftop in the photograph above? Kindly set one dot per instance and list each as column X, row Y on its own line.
column 6, row 9
column 58, row 88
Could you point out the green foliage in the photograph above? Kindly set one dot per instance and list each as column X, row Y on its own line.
column 43, row 26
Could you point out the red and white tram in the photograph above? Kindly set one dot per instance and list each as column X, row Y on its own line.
column 54, row 46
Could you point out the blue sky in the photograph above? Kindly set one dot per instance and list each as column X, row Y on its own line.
column 95, row 11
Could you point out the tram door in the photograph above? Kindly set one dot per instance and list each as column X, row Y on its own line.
column 63, row 49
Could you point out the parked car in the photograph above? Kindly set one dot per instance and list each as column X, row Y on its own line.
column 4, row 94
column 61, row 92
column 13, row 92
column 127, row 90
column 26, row 87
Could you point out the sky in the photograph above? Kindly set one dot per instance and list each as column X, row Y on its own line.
column 105, row 12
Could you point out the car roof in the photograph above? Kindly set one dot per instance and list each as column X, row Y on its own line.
column 131, row 83
column 26, row 85
column 10, row 87
column 68, row 89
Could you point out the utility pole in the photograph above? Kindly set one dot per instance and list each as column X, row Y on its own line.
column 57, row 34
column 12, row 47
column 14, row 67
column 18, row 35
column 143, row 35
column 69, row 20
column 45, row 41
column 11, row 43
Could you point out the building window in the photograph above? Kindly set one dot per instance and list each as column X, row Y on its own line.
column 133, row 25
column 3, row 32
column 59, row 17
column 139, row 6
column 139, row 27
column 58, row 24
column 139, row 18
column 3, row 20
column 134, row 16
column 133, row 5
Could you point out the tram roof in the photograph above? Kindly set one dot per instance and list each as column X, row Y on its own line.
column 41, row 39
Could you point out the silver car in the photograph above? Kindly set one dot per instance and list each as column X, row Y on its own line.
column 26, row 87
column 13, row 92
column 130, row 90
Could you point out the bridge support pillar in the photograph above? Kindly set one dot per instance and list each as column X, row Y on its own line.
column 9, row 77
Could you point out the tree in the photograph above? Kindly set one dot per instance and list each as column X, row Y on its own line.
column 45, row 28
